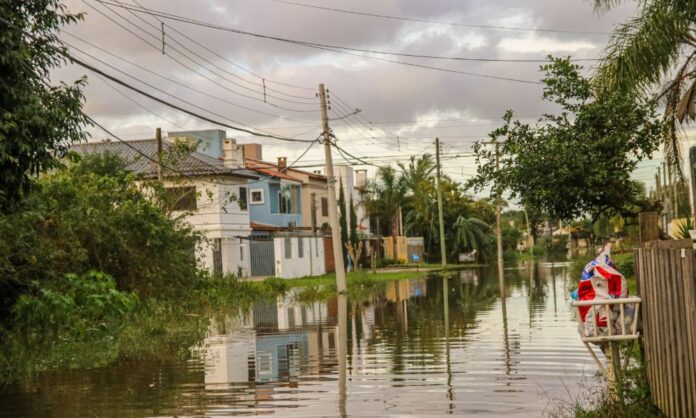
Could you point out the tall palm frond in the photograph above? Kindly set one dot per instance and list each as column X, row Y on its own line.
column 472, row 233
column 653, row 54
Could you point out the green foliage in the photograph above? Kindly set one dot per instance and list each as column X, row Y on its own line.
column 602, row 227
column 77, row 305
column 353, row 238
column 653, row 54
column 472, row 234
column 88, row 216
column 683, row 228
column 343, row 218
column 38, row 121
column 388, row 262
column 632, row 400
column 383, row 196
column 578, row 161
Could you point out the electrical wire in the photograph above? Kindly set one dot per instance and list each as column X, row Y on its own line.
column 346, row 48
column 179, row 108
column 224, row 58
column 166, row 35
column 468, row 25
column 170, row 80
column 258, row 99
column 332, row 48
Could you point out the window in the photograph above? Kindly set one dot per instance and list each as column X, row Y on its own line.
column 257, row 197
column 288, row 199
column 288, row 247
column 181, row 198
column 217, row 256
column 300, row 247
column 243, row 202
column 324, row 206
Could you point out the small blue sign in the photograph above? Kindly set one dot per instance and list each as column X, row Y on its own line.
column 415, row 257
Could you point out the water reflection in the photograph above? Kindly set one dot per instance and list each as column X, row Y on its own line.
column 468, row 343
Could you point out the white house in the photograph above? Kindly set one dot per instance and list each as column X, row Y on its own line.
column 210, row 192
column 353, row 181
column 205, row 176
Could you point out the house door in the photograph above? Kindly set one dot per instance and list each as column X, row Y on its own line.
column 262, row 256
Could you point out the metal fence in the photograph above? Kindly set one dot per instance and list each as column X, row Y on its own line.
column 667, row 286
column 261, row 256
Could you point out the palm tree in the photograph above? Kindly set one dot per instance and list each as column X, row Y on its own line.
column 654, row 54
column 419, row 180
column 472, row 234
column 384, row 195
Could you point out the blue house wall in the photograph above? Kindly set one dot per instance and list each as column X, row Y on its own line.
column 267, row 213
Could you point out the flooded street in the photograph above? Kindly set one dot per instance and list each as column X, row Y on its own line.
column 423, row 347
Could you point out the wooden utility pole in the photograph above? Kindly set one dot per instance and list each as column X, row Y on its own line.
column 498, row 226
column 440, row 212
column 333, row 206
column 158, row 138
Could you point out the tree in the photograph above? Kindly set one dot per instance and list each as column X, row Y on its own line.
column 384, row 196
column 654, row 54
column 342, row 216
column 472, row 234
column 37, row 121
column 353, row 238
column 75, row 221
column 577, row 162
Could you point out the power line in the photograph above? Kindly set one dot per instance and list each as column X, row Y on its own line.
column 261, row 85
column 138, row 104
column 246, row 70
column 168, row 79
column 346, row 48
column 205, row 180
column 259, row 99
column 181, row 109
column 469, row 25
column 332, row 48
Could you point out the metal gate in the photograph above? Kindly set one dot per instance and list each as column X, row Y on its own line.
column 262, row 256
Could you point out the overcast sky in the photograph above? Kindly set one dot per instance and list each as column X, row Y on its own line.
column 413, row 104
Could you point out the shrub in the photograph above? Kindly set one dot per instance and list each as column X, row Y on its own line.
column 80, row 304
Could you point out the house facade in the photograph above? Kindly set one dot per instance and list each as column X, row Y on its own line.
column 210, row 193
column 289, row 199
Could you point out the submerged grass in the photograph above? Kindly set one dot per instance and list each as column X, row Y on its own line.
column 163, row 326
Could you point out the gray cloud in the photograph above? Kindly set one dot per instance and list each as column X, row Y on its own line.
column 384, row 91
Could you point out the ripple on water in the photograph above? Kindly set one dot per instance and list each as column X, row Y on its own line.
column 404, row 355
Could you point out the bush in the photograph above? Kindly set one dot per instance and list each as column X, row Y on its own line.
column 88, row 216
column 78, row 305
column 387, row 262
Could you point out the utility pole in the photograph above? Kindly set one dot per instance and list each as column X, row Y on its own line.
column 158, row 138
column 440, row 212
column 333, row 206
column 498, row 227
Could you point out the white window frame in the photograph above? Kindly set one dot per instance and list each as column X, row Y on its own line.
column 251, row 197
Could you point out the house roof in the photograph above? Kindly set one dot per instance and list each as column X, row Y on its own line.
column 273, row 170
column 193, row 164
column 275, row 173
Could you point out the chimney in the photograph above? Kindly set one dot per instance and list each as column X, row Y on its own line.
column 232, row 154
column 252, row 151
column 282, row 162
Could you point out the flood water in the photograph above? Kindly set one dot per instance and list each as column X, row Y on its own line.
column 421, row 347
